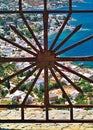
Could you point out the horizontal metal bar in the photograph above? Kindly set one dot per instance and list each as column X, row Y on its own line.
column 46, row 121
column 49, row 11
column 59, row 105
column 22, row 106
column 50, row 106
column 83, row 105
column 14, row 12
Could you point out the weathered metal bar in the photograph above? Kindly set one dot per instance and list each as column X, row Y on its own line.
column 23, row 80
column 74, row 72
column 60, row 31
column 70, row 5
column 71, row 113
column 27, row 25
column 16, row 59
column 61, row 87
column 78, row 58
column 30, row 89
column 22, row 113
column 45, row 22
column 50, row 106
column 18, row 46
column 74, row 45
column 73, row 84
column 18, row 72
column 48, row 121
column 46, row 94
column 67, row 38
column 20, row 106
column 49, row 11
column 24, row 38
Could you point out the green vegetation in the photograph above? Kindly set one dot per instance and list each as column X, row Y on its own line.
column 39, row 92
column 2, row 21
column 24, row 87
column 86, row 87
column 3, row 92
column 7, row 68
column 14, row 102
column 7, row 84
column 87, row 90
column 80, row 99
column 55, row 86
column 60, row 101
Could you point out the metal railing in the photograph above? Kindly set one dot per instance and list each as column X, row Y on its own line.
column 46, row 59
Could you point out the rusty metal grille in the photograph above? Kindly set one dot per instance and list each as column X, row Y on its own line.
column 46, row 59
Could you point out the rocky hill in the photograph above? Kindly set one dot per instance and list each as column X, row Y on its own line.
column 34, row 2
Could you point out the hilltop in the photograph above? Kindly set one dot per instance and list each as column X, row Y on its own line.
column 33, row 2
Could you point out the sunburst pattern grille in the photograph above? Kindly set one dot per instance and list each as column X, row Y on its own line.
column 46, row 59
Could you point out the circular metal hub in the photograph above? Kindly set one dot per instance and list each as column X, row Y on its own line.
column 46, row 59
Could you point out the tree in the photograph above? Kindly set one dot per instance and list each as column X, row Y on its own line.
column 60, row 101
column 86, row 87
column 1, row 70
column 80, row 99
column 42, row 88
column 8, row 84
column 4, row 93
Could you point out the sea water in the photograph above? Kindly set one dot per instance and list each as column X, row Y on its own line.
column 86, row 19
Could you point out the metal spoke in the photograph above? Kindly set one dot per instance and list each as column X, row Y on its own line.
column 23, row 37
column 45, row 22
column 30, row 89
column 74, row 45
column 68, row 37
column 74, row 72
column 53, row 73
column 18, row 72
column 27, row 25
column 21, row 82
column 80, row 58
column 63, row 75
column 17, row 59
column 60, row 31
column 17, row 45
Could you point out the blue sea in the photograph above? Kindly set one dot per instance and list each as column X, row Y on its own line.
column 86, row 19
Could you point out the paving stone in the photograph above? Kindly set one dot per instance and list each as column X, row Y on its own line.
column 88, row 128
column 66, row 128
column 46, row 126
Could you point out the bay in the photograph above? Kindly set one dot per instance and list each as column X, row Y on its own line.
column 86, row 19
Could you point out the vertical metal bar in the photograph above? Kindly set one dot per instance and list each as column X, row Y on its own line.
column 45, row 22
column 22, row 113
column 45, row 4
column 46, row 96
column 71, row 113
column 70, row 5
